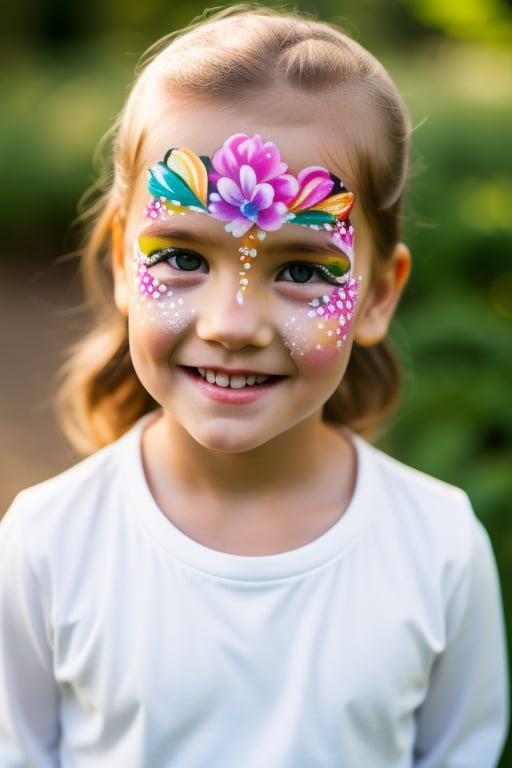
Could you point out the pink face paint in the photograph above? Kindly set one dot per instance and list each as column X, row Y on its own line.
column 326, row 324
column 156, row 298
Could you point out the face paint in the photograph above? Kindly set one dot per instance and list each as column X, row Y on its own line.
column 246, row 184
column 322, row 323
column 157, row 297
column 326, row 323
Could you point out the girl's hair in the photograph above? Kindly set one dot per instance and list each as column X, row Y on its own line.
column 235, row 54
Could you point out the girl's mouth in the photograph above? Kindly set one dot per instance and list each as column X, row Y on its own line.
column 233, row 381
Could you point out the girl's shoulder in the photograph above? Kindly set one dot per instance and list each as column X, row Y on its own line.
column 86, row 476
column 91, row 489
column 402, row 479
column 427, row 517
column 401, row 482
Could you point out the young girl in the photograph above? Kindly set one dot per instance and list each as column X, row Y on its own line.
column 237, row 579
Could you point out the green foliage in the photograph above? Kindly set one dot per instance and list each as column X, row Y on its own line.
column 454, row 326
column 486, row 20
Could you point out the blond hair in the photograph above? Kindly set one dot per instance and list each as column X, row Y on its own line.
column 229, row 56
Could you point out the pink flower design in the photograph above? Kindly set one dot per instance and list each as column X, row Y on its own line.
column 315, row 184
column 253, row 187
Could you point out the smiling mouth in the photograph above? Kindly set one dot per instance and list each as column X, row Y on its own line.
column 235, row 380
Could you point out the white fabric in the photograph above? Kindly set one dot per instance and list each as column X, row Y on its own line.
column 125, row 643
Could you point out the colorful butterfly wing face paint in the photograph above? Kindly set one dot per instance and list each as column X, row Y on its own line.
column 247, row 186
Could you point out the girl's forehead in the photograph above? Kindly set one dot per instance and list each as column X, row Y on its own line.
column 306, row 131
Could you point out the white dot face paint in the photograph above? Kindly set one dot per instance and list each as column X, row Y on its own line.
column 157, row 301
column 325, row 324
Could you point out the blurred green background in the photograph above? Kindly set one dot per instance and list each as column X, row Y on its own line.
column 65, row 70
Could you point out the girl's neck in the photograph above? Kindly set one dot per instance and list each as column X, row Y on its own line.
column 283, row 462
column 270, row 499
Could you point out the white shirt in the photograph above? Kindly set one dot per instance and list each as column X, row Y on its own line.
column 125, row 643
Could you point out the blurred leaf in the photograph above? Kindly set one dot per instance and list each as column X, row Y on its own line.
column 487, row 20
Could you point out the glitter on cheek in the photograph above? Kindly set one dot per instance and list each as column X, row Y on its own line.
column 327, row 322
column 158, row 303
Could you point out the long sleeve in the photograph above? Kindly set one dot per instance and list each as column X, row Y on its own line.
column 463, row 720
column 29, row 730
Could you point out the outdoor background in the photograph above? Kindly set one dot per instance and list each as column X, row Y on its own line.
column 65, row 69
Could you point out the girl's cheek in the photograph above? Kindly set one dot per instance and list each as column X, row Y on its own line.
column 320, row 330
column 317, row 331
column 157, row 304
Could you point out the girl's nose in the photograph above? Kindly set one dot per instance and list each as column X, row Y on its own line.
column 223, row 320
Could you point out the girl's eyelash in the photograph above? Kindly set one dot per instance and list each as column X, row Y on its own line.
column 162, row 254
column 322, row 271
column 326, row 273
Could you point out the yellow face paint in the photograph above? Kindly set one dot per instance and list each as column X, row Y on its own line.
column 150, row 248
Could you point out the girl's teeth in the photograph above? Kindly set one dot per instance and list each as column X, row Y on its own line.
column 236, row 381
column 222, row 380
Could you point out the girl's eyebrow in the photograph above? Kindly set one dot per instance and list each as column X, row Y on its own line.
column 324, row 248
column 168, row 230
column 301, row 247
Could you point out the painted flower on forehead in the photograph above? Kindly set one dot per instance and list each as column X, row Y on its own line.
column 253, row 186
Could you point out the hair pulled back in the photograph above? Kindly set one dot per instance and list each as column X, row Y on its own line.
column 235, row 53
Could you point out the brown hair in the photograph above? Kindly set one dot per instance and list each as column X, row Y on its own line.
column 235, row 53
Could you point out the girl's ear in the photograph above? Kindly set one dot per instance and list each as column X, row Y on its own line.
column 119, row 267
column 376, row 313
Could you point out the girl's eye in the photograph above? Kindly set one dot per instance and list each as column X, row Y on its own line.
column 304, row 272
column 188, row 261
column 179, row 258
column 298, row 273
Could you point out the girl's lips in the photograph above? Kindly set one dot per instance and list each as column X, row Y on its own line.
column 232, row 387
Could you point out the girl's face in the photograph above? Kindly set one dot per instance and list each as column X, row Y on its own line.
column 237, row 373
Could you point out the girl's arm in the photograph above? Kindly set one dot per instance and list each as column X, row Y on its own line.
column 29, row 730
column 463, row 720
